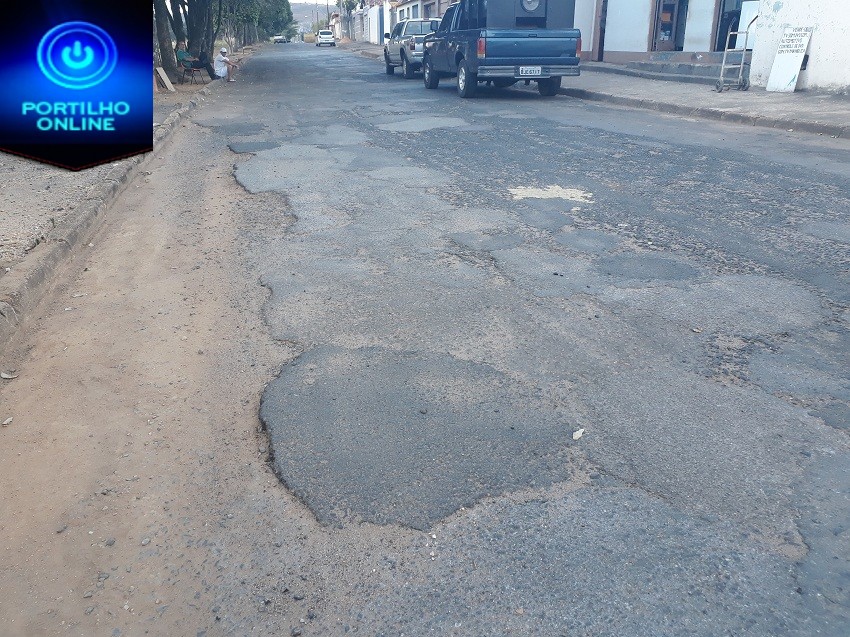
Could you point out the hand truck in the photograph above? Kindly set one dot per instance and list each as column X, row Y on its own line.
column 738, row 80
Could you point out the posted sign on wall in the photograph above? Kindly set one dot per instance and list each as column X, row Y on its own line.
column 789, row 58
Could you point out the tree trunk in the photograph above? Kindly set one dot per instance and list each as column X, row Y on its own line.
column 163, row 36
column 156, row 59
column 211, row 31
column 177, row 21
column 214, row 34
column 198, row 19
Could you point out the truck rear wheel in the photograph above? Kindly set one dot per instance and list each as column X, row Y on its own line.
column 406, row 67
column 549, row 86
column 467, row 82
column 428, row 75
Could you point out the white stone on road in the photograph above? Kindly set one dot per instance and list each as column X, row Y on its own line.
column 551, row 192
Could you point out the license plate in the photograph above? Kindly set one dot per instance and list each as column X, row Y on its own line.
column 530, row 70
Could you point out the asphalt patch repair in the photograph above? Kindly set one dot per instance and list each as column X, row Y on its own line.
column 407, row 438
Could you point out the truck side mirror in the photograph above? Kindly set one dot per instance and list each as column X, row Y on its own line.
column 387, row 36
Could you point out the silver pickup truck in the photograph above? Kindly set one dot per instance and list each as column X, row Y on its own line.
column 404, row 45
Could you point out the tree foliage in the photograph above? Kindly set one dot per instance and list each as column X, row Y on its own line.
column 275, row 17
column 238, row 22
column 257, row 19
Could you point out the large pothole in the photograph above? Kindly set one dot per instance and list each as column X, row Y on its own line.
column 388, row 437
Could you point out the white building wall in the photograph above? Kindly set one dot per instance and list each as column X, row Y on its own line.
column 699, row 24
column 829, row 48
column 388, row 17
column 585, row 19
column 374, row 34
column 628, row 25
column 357, row 25
column 336, row 27
column 407, row 9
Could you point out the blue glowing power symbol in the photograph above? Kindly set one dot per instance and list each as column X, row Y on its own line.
column 77, row 55
column 74, row 59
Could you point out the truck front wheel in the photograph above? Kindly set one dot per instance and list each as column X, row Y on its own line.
column 549, row 86
column 467, row 82
column 428, row 74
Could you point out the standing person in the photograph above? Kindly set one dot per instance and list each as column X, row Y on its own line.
column 189, row 62
column 223, row 66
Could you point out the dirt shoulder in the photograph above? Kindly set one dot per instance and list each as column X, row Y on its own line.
column 133, row 411
column 137, row 494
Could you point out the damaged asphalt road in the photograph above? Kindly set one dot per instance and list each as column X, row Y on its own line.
column 683, row 302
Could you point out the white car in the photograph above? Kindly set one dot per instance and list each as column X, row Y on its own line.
column 325, row 37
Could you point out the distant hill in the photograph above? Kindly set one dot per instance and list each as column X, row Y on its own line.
column 304, row 13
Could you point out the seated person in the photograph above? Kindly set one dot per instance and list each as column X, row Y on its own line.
column 189, row 62
column 224, row 67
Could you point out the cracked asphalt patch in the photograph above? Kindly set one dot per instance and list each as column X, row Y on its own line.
column 408, row 437
column 696, row 333
column 594, row 562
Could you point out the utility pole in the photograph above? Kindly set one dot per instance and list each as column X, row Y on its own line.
column 328, row 9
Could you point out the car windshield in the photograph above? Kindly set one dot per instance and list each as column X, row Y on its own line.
column 326, row 32
column 418, row 28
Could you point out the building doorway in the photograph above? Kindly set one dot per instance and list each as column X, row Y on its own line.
column 735, row 15
column 730, row 14
column 670, row 22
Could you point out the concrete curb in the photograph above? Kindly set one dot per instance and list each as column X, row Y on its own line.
column 23, row 287
column 708, row 113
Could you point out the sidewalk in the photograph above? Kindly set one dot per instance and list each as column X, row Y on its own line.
column 807, row 111
column 48, row 213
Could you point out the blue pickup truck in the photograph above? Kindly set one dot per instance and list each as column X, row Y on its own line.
column 504, row 42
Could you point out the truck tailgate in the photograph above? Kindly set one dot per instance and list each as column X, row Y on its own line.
column 505, row 45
